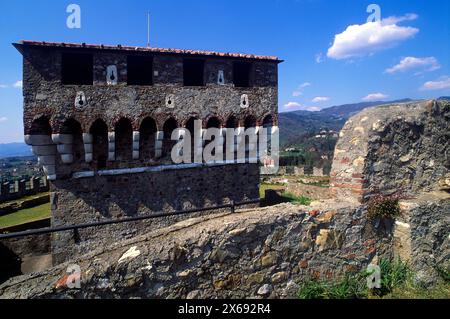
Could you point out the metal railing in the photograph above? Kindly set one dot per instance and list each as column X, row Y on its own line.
column 232, row 205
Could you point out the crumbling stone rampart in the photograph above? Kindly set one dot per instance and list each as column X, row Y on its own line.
column 255, row 253
column 392, row 148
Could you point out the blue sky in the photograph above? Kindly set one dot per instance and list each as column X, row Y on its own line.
column 332, row 54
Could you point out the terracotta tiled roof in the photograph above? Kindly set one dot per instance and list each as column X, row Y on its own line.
column 146, row 49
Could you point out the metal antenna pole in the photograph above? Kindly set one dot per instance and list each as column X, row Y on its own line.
column 148, row 29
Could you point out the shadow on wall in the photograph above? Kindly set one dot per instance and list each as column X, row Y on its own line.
column 153, row 192
column 10, row 264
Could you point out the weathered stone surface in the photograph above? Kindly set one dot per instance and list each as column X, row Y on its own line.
column 328, row 239
column 269, row 259
column 102, row 197
column 176, row 261
column 103, row 129
column 402, row 148
column 265, row 290
column 425, row 242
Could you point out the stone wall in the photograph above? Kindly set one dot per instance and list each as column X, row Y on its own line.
column 422, row 234
column 254, row 253
column 44, row 94
column 91, row 199
column 11, row 190
column 258, row 253
column 90, row 137
column 301, row 171
column 267, row 252
column 392, row 148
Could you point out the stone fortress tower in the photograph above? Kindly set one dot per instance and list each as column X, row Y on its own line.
column 100, row 120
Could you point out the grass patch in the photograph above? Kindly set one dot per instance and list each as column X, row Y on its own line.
column 264, row 186
column 318, row 183
column 393, row 275
column 410, row 291
column 25, row 216
column 444, row 272
column 351, row 286
column 396, row 283
column 300, row 200
column 285, row 197
column 23, row 199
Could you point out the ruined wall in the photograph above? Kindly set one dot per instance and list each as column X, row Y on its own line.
column 267, row 252
column 252, row 254
column 422, row 234
column 393, row 148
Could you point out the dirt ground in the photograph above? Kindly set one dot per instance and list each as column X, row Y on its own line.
column 313, row 187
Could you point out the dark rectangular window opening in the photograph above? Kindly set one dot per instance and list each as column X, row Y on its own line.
column 77, row 69
column 241, row 74
column 193, row 72
column 139, row 70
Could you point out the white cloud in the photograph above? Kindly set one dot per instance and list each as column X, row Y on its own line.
column 3, row 119
column 319, row 99
column 440, row 84
column 319, row 58
column 374, row 97
column 18, row 84
column 300, row 88
column 395, row 20
column 295, row 105
column 3, row 86
column 365, row 39
column 313, row 108
column 291, row 105
column 412, row 63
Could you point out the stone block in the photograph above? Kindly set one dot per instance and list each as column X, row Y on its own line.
column 88, row 157
column 38, row 140
column 88, row 138
column 136, row 135
column 62, row 138
column 329, row 239
column 44, row 150
column 47, row 160
column 49, row 170
column 88, row 148
column 402, row 241
column 279, row 277
column 67, row 158
column 159, row 135
column 269, row 259
column 64, row 148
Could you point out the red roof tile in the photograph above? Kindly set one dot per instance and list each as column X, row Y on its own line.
column 146, row 49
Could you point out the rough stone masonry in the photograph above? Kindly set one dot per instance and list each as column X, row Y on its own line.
column 100, row 120
column 268, row 252
column 393, row 148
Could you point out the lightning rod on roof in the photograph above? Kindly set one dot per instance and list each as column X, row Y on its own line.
column 148, row 29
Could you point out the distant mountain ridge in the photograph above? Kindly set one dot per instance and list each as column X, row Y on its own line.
column 15, row 150
column 296, row 126
column 347, row 110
